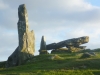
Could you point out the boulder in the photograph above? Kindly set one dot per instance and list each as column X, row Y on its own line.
column 85, row 55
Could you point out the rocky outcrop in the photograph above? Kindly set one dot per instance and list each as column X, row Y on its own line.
column 43, row 46
column 26, row 47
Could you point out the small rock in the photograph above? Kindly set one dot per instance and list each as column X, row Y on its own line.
column 86, row 55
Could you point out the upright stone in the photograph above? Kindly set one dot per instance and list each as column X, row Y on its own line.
column 26, row 47
column 43, row 46
column 26, row 37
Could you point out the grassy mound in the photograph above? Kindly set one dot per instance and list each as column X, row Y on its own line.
column 60, row 64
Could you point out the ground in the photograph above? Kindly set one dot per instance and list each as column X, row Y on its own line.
column 57, row 64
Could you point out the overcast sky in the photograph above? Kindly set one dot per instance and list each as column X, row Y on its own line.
column 57, row 20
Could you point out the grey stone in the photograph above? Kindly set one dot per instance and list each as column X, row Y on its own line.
column 26, row 47
column 13, row 59
column 70, row 43
column 43, row 46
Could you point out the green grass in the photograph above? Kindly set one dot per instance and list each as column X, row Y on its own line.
column 61, row 64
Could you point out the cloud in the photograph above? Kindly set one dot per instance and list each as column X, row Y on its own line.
column 3, row 5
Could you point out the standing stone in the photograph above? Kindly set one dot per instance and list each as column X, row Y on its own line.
column 43, row 46
column 26, row 47
column 26, row 37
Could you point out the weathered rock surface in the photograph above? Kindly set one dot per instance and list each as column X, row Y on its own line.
column 26, row 47
column 65, row 50
column 70, row 43
column 43, row 46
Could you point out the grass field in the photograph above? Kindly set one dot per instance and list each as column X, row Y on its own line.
column 56, row 64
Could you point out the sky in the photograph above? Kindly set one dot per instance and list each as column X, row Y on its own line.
column 56, row 20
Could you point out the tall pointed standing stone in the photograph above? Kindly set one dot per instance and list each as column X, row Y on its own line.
column 26, row 47
column 26, row 37
column 43, row 46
